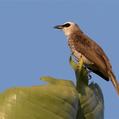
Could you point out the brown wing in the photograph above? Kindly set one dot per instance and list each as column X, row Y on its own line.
column 92, row 51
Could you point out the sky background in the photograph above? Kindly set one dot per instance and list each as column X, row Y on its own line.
column 31, row 48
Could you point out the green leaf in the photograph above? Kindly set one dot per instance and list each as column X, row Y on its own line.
column 56, row 100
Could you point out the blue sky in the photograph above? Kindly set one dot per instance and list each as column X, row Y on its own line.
column 31, row 48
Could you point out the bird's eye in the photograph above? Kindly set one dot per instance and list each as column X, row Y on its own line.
column 66, row 25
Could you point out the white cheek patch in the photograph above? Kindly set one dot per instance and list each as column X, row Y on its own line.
column 67, row 31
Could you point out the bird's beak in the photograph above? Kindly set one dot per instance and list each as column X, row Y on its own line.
column 58, row 27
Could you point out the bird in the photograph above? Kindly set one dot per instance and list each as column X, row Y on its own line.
column 87, row 51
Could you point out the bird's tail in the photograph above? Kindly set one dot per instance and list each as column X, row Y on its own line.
column 114, row 81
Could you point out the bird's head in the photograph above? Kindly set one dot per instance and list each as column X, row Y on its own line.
column 68, row 28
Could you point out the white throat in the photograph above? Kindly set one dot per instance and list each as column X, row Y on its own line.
column 67, row 33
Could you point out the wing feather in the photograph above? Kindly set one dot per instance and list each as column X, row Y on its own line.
column 92, row 51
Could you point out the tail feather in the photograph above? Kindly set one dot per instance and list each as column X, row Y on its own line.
column 114, row 81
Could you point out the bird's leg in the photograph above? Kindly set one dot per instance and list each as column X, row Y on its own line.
column 88, row 72
column 89, row 75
